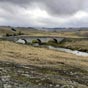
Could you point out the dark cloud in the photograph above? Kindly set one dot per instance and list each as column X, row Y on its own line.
column 58, row 7
column 30, row 12
column 62, row 7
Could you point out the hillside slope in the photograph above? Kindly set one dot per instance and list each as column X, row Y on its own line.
column 32, row 67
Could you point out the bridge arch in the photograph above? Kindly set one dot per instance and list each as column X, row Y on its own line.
column 53, row 40
column 25, row 41
column 37, row 41
column 21, row 41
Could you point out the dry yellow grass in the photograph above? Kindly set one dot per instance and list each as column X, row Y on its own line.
column 78, row 45
column 24, row 54
column 51, row 33
column 71, row 34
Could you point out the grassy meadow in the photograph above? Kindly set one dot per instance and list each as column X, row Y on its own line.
column 25, row 65
column 35, row 55
column 35, row 32
column 75, row 44
column 48, row 63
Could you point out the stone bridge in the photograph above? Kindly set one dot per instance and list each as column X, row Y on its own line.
column 30, row 39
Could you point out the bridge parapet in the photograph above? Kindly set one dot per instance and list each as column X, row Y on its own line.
column 29, row 39
column 43, row 40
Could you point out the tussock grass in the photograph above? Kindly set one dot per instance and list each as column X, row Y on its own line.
column 25, row 54
column 81, row 45
column 45, row 63
column 33, row 32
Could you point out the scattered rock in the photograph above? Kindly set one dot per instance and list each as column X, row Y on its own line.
column 21, row 76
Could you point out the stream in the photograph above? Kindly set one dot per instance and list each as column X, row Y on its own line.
column 78, row 53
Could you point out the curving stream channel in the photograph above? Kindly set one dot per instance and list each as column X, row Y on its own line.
column 78, row 53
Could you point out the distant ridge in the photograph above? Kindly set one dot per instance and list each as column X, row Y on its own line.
column 44, row 28
column 65, row 29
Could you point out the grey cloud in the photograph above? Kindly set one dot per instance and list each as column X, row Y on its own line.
column 63, row 7
column 12, row 10
column 55, row 7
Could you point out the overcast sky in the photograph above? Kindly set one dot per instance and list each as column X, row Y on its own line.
column 44, row 13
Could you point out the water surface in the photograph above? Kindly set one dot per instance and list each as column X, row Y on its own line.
column 78, row 53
